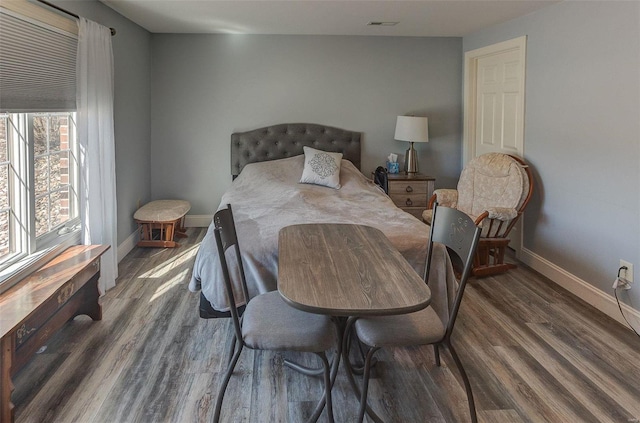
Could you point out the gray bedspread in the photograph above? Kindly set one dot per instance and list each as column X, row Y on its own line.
column 266, row 197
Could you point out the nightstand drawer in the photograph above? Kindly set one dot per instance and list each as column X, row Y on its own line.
column 410, row 200
column 411, row 193
column 407, row 188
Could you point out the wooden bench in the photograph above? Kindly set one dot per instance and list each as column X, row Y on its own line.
column 36, row 307
column 160, row 221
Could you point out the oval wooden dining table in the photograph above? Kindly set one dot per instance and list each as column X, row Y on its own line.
column 346, row 271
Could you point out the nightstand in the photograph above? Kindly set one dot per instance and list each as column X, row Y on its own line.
column 411, row 192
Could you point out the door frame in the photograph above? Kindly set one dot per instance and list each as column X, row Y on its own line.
column 470, row 89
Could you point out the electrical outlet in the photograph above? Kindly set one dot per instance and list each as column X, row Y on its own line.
column 628, row 273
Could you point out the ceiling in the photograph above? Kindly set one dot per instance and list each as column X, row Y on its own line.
column 418, row 18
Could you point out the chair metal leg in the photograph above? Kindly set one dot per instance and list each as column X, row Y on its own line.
column 349, row 370
column 335, row 364
column 436, row 351
column 232, row 349
column 234, row 341
column 365, row 383
column 326, row 396
column 359, row 370
column 328, row 385
column 308, row 371
column 465, row 379
column 225, row 382
column 340, row 328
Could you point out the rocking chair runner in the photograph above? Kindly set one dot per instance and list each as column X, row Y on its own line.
column 493, row 189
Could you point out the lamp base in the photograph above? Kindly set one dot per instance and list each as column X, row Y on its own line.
column 411, row 160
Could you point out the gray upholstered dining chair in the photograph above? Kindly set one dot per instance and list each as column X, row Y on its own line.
column 268, row 323
column 434, row 324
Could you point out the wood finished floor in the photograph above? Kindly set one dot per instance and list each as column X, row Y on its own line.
column 533, row 352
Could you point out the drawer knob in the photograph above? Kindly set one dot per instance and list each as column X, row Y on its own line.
column 409, row 189
column 409, row 202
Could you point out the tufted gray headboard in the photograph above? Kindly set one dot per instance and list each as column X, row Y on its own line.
column 287, row 139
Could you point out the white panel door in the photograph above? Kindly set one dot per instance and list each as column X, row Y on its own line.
column 494, row 105
column 498, row 104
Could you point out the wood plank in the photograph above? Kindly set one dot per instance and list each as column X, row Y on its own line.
column 562, row 406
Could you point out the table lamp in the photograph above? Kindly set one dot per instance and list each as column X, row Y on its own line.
column 412, row 129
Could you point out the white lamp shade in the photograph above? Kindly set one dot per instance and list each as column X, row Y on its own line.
column 412, row 128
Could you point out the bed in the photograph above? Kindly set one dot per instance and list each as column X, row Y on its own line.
column 266, row 195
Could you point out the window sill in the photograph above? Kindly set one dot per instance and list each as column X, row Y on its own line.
column 22, row 268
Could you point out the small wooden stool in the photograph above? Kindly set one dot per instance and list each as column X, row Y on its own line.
column 160, row 221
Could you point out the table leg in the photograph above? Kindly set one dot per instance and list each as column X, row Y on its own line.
column 343, row 329
column 6, row 385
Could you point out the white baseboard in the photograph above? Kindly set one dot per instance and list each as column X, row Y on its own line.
column 604, row 302
column 127, row 245
column 197, row 220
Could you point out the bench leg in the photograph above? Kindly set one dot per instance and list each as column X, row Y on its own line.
column 6, row 385
column 181, row 231
column 167, row 231
column 91, row 304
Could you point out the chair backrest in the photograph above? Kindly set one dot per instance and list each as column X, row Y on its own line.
column 494, row 180
column 458, row 232
column 226, row 237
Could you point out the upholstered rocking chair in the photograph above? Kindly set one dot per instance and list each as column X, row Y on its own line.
column 494, row 190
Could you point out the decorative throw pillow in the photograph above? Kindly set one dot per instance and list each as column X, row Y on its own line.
column 321, row 168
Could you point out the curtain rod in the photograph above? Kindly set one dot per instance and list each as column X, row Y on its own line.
column 113, row 31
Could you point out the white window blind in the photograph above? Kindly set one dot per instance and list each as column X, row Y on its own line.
column 37, row 66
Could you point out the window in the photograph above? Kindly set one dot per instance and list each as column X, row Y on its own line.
column 53, row 136
column 5, row 210
column 38, row 183
column 39, row 213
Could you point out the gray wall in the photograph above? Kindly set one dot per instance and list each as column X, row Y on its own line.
column 204, row 87
column 582, row 134
column 132, row 111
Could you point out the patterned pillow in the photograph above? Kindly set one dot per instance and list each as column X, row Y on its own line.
column 321, row 168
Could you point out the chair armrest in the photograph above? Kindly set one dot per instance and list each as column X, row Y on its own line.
column 444, row 197
column 502, row 213
column 496, row 222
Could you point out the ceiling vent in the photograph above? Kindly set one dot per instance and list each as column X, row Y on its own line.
column 381, row 23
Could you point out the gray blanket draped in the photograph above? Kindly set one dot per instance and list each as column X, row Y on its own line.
column 266, row 197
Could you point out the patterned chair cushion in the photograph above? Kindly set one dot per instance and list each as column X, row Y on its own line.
column 492, row 180
column 445, row 197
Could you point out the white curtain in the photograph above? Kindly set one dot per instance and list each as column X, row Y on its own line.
column 96, row 139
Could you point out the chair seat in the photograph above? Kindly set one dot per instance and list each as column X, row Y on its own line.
column 420, row 328
column 271, row 324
